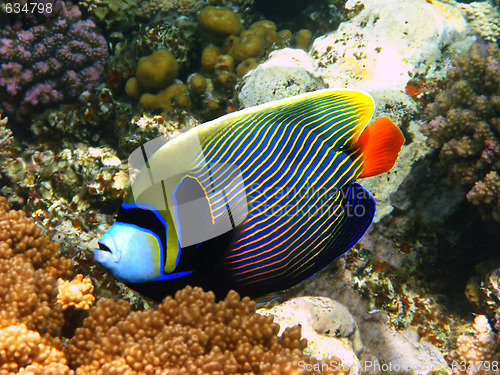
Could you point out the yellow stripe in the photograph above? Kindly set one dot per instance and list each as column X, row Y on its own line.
column 360, row 100
column 221, row 135
column 246, row 264
column 333, row 159
column 301, row 264
column 256, row 168
column 204, row 192
column 311, row 249
column 230, row 147
column 303, row 241
column 202, row 183
column 315, row 114
column 290, row 164
column 254, row 233
column 259, row 122
column 337, row 102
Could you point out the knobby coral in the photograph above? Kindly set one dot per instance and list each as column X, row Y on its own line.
column 30, row 319
column 29, row 269
column 485, row 195
column 191, row 334
column 50, row 61
column 465, row 126
column 479, row 353
column 25, row 351
column 76, row 293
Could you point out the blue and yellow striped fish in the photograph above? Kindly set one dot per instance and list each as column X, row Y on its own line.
column 256, row 201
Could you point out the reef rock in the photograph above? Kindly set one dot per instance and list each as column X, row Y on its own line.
column 327, row 325
column 404, row 112
column 286, row 73
column 402, row 351
column 378, row 47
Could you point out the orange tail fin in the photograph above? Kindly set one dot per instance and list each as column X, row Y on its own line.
column 380, row 144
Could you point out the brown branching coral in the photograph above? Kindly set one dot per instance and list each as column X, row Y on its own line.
column 465, row 126
column 24, row 351
column 191, row 334
column 30, row 318
column 76, row 293
column 29, row 269
column 485, row 195
column 479, row 353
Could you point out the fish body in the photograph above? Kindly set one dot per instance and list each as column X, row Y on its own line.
column 256, row 201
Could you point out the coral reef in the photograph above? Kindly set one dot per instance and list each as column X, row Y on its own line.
column 93, row 118
column 47, row 63
column 482, row 16
column 145, row 127
column 72, row 180
column 216, row 23
column 148, row 8
column 327, row 325
column 228, row 51
column 68, row 191
column 5, row 141
column 478, row 353
column 483, row 289
column 174, row 95
column 197, row 83
column 29, row 268
column 77, row 293
column 25, row 351
column 407, row 303
column 402, row 346
column 31, row 319
column 152, row 84
column 75, row 176
column 178, row 36
column 465, row 126
column 484, row 195
column 153, row 73
column 287, row 72
column 189, row 334
column 113, row 14
column 359, row 52
column 177, row 30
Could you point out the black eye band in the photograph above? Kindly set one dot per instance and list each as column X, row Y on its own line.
column 145, row 219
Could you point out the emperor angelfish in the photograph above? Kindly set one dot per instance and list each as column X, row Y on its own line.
column 257, row 200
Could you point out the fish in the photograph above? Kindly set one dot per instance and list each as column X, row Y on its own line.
column 257, row 200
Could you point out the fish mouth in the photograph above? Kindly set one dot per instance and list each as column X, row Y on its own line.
column 104, row 255
column 103, row 247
